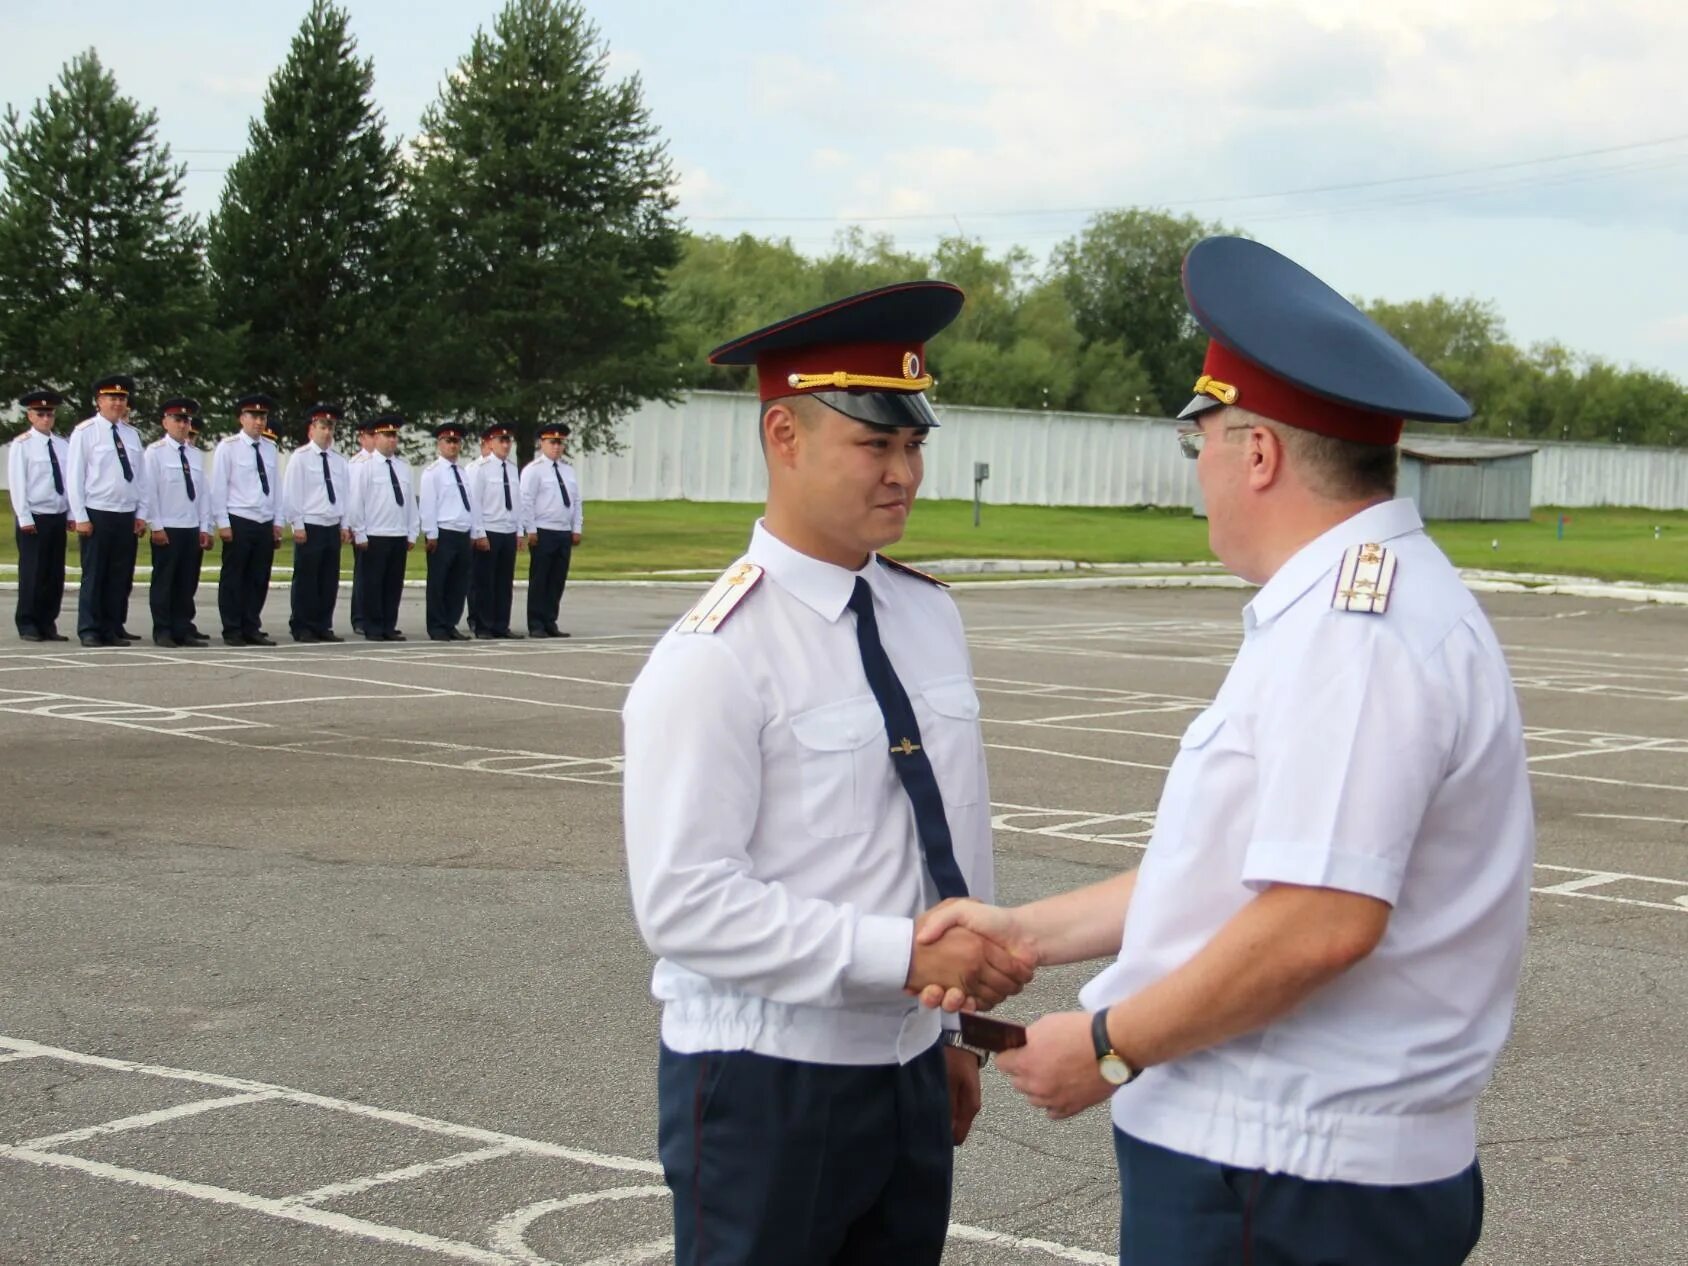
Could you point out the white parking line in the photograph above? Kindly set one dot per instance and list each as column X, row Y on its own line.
column 357, row 1186
column 144, row 1120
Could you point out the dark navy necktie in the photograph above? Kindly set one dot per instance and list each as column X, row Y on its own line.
column 461, row 490
column 53, row 460
column 327, row 478
column 187, row 474
column 505, row 470
column 392, row 474
column 908, row 757
column 558, row 472
column 122, row 455
column 263, row 477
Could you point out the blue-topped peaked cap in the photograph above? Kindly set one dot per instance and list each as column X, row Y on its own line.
column 451, row 431
column 41, row 398
column 114, row 385
column 864, row 356
column 183, row 407
column 325, row 411
column 259, row 402
column 1288, row 347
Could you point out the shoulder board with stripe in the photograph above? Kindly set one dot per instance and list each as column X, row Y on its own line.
column 85, row 423
column 1364, row 580
column 722, row 600
column 906, row 570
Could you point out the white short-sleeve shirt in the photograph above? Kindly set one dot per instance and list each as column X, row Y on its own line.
column 1376, row 754
column 775, row 866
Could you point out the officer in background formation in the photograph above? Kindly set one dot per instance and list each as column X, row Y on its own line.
column 316, row 495
column 366, row 447
column 496, row 486
column 385, row 523
column 106, row 485
column 451, row 524
column 805, row 775
column 180, row 518
column 36, row 462
column 246, row 503
column 552, row 511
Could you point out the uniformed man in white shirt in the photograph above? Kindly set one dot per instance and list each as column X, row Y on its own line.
column 385, row 523
column 180, row 518
column 246, row 505
column 805, row 775
column 452, row 532
column 316, row 491
column 366, row 446
column 35, row 477
column 495, row 483
column 1321, row 947
column 551, row 506
column 106, row 485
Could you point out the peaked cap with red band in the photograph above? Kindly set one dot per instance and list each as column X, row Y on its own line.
column 1288, row 347
column 324, row 411
column 864, row 356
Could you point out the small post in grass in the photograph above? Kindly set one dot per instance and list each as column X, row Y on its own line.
column 981, row 472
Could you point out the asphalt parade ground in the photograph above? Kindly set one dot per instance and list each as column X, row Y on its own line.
column 323, row 953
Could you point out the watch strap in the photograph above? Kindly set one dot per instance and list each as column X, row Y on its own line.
column 1099, row 1034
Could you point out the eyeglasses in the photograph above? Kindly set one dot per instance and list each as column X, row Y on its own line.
column 1191, row 439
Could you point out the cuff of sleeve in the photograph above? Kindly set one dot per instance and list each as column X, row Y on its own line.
column 362, row 538
column 1271, row 862
column 883, row 946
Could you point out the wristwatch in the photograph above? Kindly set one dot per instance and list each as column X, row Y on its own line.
column 952, row 1037
column 1115, row 1071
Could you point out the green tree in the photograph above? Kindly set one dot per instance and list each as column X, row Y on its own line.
column 547, row 190
column 100, row 269
column 1122, row 277
column 304, row 249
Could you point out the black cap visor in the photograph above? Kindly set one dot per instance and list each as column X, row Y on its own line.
column 879, row 408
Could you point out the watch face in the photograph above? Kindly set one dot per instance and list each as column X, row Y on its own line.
column 1115, row 1071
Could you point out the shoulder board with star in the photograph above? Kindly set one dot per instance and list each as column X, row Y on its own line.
column 86, row 423
column 159, row 443
column 1364, row 580
column 906, row 570
column 722, row 600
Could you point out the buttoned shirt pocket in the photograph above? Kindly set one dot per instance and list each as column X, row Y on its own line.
column 842, row 757
column 950, row 733
column 1206, row 744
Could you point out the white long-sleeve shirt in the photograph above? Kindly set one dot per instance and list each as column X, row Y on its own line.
column 236, row 488
column 545, row 504
column 311, row 472
column 772, row 850
column 171, row 506
column 376, row 507
column 94, row 477
column 495, row 484
column 445, row 501
column 29, row 475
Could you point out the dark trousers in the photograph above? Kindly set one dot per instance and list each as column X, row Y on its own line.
column 245, row 579
column 357, row 590
column 492, row 582
column 41, row 574
column 316, row 580
column 448, row 581
column 383, row 584
column 108, row 572
column 175, row 577
column 548, row 572
column 1178, row 1208
column 778, row 1163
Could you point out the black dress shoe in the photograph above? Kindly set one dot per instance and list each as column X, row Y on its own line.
column 330, row 636
column 306, row 636
column 32, row 637
column 53, row 635
column 127, row 636
column 483, row 636
column 375, row 637
column 533, row 632
column 513, row 635
column 439, row 637
column 166, row 641
column 233, row 639
column 555, row 633
column 124, row 639
column 259, row 638
column 458, row 635
column 396, row 636
column 86, row 640
column 195, row 639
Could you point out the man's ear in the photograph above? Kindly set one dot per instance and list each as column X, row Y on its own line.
column 779, row 434
column 1265, row 457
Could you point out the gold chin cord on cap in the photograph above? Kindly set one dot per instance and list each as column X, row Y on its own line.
column 1208, row 385
column 840, row 380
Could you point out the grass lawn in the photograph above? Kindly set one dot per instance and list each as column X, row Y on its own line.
column 624, row 538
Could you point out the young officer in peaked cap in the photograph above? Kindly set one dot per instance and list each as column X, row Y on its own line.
column 385, row 523
column 805, row 777
column 181, row 524
column 106, row 485
column 1321, row 946
column 316, row 492
column 246, row 504
column 555, row 520
column 495, row 485
column 36, row 462
column 451, row 527
column 366, row 446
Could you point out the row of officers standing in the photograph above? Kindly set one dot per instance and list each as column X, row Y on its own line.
column 109, row 490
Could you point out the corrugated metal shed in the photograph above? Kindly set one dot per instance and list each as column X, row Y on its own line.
column 1467, row 479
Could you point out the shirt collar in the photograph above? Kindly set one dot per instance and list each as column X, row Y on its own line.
column 824, row 588
column 1382, row 522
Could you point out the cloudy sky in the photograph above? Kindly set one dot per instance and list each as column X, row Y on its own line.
column 1525, row 151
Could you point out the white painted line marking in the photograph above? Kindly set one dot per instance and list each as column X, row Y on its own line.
column 509, row 1234
column 1635, row 817
column 14, row 1056
column 357, row 1186
column 144, row 1120
column 1066, row 1253
column 1099, row 760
